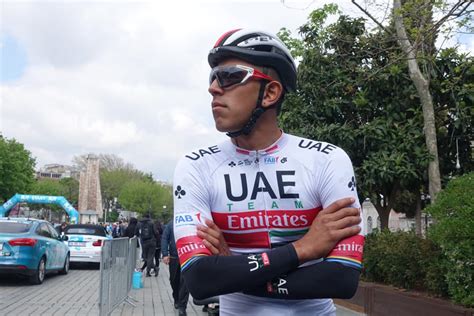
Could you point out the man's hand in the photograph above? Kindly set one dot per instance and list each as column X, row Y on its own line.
column 332, row 224
column 166, row 260
column 213, row 238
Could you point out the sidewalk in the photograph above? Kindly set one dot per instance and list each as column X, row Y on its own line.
column 155, row 299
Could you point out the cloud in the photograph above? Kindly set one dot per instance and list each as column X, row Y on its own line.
column 123, row 77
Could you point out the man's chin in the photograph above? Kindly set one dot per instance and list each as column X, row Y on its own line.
column 223, row 129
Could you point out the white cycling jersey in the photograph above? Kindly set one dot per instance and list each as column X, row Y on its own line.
column 261, row 200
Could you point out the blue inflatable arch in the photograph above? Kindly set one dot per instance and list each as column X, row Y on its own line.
column 41, row 199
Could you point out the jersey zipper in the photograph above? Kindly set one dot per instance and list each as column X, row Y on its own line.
column 264, row 199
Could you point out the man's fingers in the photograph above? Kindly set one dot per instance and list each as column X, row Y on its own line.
column 337, row 205
column 348, row 232
column 211, row 224
column 344, row 212
column 209, row 238
column 212, row 229
column 209, row 246
column 347, row 222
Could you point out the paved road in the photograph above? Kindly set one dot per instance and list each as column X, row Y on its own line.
column 78, row 293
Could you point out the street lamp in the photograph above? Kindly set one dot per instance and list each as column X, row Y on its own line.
column 164, row 212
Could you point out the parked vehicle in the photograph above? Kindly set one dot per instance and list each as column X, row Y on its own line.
column 85, row 242
column 31, row 247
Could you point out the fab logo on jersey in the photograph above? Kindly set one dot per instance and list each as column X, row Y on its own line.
column 187, row 219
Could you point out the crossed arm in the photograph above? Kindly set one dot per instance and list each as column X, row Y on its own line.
column 275, row 273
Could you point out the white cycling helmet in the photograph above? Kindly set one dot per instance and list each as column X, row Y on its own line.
column 258, row 48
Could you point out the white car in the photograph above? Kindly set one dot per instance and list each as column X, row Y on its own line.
column 85, row 242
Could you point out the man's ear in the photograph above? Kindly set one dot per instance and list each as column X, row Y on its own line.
column 273, row 91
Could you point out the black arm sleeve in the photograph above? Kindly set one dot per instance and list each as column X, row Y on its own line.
column 215, row 275
column 321, row 280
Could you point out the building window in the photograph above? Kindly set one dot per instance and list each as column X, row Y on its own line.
column 369, row 224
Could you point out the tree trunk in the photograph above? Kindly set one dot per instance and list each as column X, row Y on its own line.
column 384, row 214
column 422, row 87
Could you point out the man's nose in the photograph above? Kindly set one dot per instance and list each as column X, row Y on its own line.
column 214, row 88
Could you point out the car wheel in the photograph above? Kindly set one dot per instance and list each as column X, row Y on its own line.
column 38, row 276
column 65, row 268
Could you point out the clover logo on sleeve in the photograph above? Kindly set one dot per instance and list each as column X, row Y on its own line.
column 179, row 192
column 352, row 184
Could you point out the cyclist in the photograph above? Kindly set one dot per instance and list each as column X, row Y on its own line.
column 287, row 206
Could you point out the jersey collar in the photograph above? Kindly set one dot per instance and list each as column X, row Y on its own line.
column 273, row 148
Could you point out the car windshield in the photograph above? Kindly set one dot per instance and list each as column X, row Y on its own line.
column 14, row 227
column 97, row 231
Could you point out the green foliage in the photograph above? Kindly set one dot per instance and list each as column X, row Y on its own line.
column 16, row 168
column 354, row 91
column 454, row 232
column 346, row 96
column 67, row 187
column 453, row 82
column 112, row 216
column 70, row 190
column 112, row 181
column 146, row 197
column 402, row 259
column 47, row 187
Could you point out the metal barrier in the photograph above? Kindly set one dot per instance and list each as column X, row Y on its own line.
column 118, row 262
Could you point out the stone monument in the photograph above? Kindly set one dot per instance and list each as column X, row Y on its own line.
column 90, row 197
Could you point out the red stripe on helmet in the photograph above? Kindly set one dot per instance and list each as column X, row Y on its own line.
column 225, row 36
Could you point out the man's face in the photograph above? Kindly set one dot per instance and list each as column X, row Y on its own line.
column 232, row 106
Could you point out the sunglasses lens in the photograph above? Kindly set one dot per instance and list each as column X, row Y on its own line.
column 227, row 76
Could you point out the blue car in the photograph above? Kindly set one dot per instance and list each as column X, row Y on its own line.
column 32, row 247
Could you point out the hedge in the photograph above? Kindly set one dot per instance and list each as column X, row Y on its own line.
column 405, row 260
column 454, row 233
column 443, row 263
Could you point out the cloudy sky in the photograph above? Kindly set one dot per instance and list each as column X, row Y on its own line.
column 120, row 77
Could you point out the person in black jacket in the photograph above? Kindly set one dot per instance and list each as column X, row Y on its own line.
column 158, row 232
column 170, row 257
column 145, row 230
column 130, row 229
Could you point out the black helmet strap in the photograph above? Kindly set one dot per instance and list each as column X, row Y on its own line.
column 256, row 113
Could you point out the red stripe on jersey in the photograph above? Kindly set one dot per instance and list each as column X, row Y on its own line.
column 189, row 247
column 350, row 248
column 274, row 219
column 249, row 240
column 271, row 149
column 242, row 151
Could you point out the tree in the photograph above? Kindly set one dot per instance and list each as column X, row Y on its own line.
column 415, row 30
column 346, row 96
column 113, row 181
column 70, row 190
column 47, row 187
column 453, row 86
column 16, row 168
column 144, row 197
column 354, row 91
column 66, row 187
column 107, row 162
